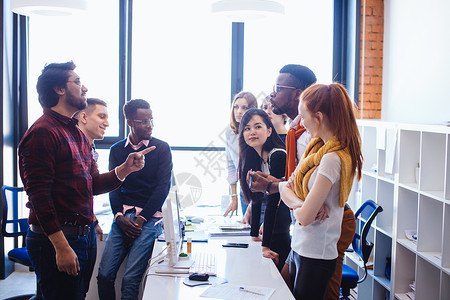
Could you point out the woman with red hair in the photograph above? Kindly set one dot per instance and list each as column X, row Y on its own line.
column 321, row 186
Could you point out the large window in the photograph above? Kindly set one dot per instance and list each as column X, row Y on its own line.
column 91, row 42
column 303, row 36
column 181, row 65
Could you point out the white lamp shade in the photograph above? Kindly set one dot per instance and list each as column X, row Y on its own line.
column 48, row 7
column 246, row 10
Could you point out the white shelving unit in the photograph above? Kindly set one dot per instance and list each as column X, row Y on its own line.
column 407, row 171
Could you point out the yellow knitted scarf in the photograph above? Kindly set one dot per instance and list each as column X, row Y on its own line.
column 313, row 155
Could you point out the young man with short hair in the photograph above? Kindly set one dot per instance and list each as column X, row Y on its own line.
column 136, row 206
column 93, row 121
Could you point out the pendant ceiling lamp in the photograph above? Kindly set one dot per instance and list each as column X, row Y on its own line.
column 247, row 10
column 48, row 7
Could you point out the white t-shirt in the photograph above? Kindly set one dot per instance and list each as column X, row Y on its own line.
column 302, row 141
column 319, row 240
column 232, row 150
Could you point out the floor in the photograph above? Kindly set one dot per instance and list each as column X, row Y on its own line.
column 20, row 282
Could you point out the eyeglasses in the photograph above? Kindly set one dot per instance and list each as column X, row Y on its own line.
column 277, row 88
column 77, row 82
column 144, row 122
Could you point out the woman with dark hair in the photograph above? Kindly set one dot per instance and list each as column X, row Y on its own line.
column 321, row 186
column 242, row 102
column 261, row 149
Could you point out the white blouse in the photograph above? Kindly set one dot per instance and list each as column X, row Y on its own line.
column 319, row 240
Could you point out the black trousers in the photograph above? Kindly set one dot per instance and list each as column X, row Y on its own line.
column 310, row 276
column 281, row 244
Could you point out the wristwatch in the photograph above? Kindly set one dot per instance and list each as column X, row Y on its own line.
column 268, row 187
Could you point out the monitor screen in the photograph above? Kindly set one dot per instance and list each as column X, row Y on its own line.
column 172, row 225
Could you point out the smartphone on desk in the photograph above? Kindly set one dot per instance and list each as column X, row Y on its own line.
column 235, row 245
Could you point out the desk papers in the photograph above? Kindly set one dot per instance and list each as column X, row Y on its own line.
column 233, row 292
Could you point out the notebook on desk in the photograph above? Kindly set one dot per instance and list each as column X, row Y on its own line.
column 234, row 227
column 217, row 232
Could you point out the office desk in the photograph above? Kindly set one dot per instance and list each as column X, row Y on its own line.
column 240, row 266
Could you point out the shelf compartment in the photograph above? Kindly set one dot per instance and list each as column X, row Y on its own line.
column 382, row 251
column 429, row 234
column 387, row 153
column 354, row 199
column 446, row 241
column 433, row 258
column 432, row 166
column 369, row 149
column 447, row 181
column 406, row 212
column 409, row 157
column 380, row 291
column 385, row 198
column 427, row 280
column 405, row 269
column 408, row 244
column 365, row 288
column 402, row 297
column 368, row 189
column 445, row 286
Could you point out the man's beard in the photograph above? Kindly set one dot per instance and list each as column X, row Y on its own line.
column 77, row 102
column 277, row 110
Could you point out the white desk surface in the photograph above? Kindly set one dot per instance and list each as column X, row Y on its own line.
column 240, row 266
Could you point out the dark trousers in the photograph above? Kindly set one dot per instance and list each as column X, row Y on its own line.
column 311, row 276
column 281, row 244
column 53, row 283
column 347, row 234
column 92, row 252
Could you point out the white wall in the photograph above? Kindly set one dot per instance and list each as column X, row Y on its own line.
column 416, row 71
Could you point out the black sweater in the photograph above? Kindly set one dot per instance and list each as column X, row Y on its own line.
column 277, row 218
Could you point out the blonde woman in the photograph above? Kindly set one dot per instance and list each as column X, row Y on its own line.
column 242, row 102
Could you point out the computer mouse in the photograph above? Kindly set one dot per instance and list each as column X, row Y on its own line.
column 199, row 277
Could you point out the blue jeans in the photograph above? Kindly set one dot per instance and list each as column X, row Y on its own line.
column 92, row 252
column 138, row 255
column 53, row 283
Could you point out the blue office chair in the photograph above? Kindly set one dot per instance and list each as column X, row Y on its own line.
column 12, row 226
column 364, row 218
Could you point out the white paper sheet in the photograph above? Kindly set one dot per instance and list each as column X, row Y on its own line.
column 234, row 292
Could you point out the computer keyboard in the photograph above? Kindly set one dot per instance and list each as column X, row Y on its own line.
column 204, row 262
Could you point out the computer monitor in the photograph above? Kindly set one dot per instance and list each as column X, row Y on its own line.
column 172, row 225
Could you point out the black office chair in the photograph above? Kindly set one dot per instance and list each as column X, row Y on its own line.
column 12, row 226
column 364, row 218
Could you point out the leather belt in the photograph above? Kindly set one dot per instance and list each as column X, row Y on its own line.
column 66, row 229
